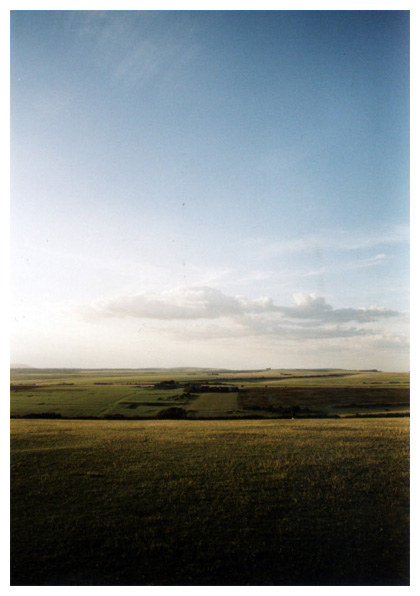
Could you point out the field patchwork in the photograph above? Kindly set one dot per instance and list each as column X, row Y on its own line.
column 232, row 394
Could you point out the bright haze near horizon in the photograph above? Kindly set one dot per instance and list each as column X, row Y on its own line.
column 216, row 189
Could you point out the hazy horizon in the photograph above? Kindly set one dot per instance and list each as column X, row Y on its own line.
column 198, row 368
column 214, row 189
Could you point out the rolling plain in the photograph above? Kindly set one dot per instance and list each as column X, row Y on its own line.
column 195, row 393
column 204, row 477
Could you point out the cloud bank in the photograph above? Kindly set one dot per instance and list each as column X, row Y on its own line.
column 209, row 313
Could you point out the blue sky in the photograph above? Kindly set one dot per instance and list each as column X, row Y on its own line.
column 210, row 188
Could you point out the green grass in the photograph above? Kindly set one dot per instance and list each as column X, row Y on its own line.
column 130, row 394
column 295, row 377
column 263, row 502
column 214, row 404
column 92, row 400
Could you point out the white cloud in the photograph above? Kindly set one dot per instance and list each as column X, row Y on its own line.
column 201, row 326
column 315, row 307
column 363, row 263
column 180, row 303
column 209, row 313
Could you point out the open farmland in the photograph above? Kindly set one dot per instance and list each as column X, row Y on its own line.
column 205, row 393
column 223, row 502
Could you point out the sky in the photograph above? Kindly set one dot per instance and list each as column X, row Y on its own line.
column 210, row 188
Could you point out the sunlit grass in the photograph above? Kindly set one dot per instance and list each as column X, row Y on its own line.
column 221, row 502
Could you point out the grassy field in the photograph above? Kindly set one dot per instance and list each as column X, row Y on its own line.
column 224, row 502
column 269, row 393
column 296, row 377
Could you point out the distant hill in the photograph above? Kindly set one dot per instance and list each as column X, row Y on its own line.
column 193, row 370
